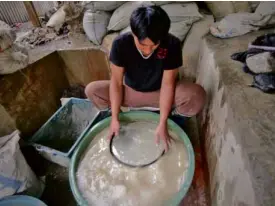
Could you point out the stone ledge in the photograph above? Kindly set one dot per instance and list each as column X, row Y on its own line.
column 238, row 127
column 76, row 42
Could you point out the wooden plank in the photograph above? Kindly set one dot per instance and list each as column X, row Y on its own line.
column 32, row 13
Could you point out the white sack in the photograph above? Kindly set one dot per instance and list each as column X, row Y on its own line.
column 253, row 5
column 239, row 24
column 102, row 5
column 58, row 18
column 266, row 8
column 15, row 175
column 121, row 16
column 180, row 29
column 95, row 25
column 182, row 12
column 127, row 29
column 221, row 9
column 108, row 41
column 160, row 3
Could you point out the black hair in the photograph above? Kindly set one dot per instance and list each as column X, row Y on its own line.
column 150, row 21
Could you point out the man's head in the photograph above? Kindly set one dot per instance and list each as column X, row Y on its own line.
column 149, row 25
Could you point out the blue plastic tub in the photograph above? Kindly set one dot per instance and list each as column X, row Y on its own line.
column 21, row 200
column 58, row 137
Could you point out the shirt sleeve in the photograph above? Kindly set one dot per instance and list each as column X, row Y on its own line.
column 174, row 56
column 116, row 56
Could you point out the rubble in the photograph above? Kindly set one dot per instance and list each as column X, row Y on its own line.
column 39, row 36
column 57, row 23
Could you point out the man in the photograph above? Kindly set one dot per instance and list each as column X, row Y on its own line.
column 145, row 66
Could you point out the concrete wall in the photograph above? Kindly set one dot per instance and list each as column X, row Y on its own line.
column 29, row 97
column 237, row 127
column 85, row 66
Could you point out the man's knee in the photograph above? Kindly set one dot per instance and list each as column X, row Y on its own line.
column 200, row 97
column 190, row 98
column 90, row 89
column 98, row 93
column 97, row 87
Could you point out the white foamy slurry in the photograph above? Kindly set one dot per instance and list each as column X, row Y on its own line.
column 103, row 181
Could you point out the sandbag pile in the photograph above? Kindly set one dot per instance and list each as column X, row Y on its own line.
column 95, row 25
column 102, row 5
column 238, row 24
column 96, row 17
column 108, row 41
column 221, row 9
column 182, row 17
column 121, row 16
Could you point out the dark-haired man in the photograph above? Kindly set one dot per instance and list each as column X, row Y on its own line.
column 144, row 66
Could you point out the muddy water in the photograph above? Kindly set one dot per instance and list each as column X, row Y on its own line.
column 103, row 181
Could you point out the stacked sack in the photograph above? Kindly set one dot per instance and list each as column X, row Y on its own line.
column 243, row 22
column 98, row 21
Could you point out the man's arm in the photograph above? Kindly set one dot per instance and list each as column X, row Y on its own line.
column 167, row 93
column 116, row 92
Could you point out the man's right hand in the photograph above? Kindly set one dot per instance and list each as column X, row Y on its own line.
column 116, row 92
column 114, row 128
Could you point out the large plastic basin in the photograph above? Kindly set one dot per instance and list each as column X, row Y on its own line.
column 128, row 117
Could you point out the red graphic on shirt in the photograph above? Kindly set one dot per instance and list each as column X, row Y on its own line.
column 162, row 53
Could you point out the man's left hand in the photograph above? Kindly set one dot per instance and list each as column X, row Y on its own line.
column 162, row 133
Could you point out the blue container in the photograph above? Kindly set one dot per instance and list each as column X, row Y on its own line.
column 58, row 137
column 21, row 200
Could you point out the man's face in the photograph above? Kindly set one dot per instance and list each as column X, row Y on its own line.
column 146, row 46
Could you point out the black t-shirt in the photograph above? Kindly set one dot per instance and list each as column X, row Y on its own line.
column 141, row 74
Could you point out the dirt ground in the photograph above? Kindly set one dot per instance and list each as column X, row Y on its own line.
column 57, row 190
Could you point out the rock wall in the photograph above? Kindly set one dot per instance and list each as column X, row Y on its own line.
column 237, row 127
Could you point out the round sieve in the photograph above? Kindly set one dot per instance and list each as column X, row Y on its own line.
column 134, row 149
